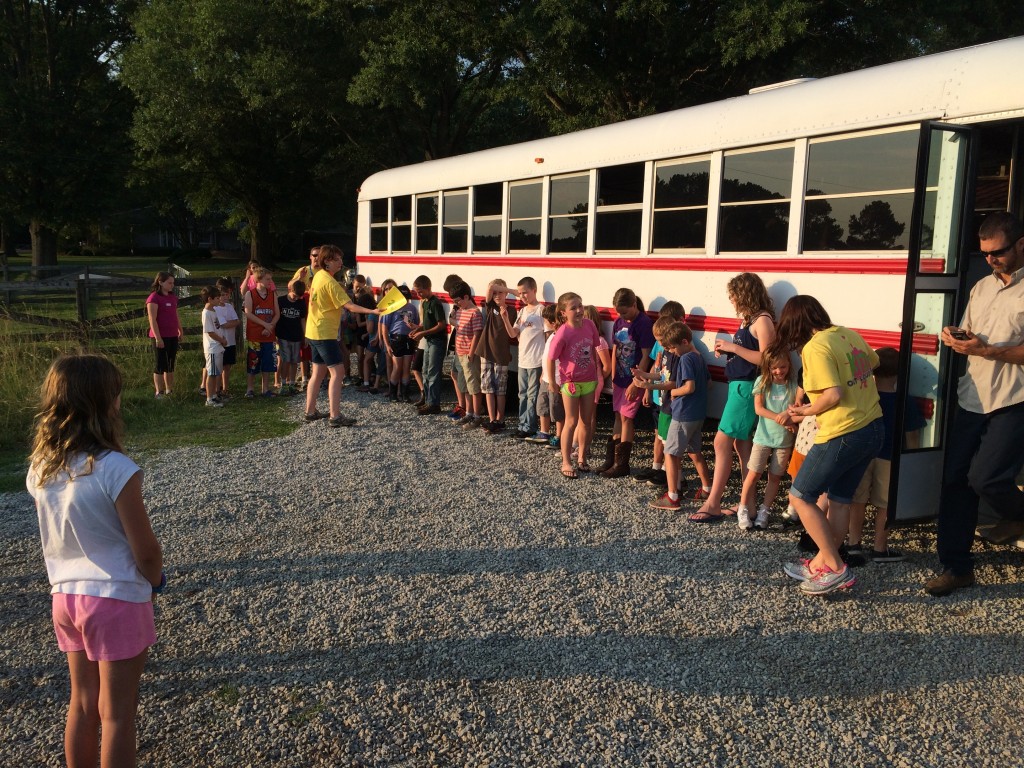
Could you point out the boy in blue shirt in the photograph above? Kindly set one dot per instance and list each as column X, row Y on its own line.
column 688, row 389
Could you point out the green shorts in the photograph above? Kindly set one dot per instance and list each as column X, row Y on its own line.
column 664, row 422
column 579, row 388
column 738, row 418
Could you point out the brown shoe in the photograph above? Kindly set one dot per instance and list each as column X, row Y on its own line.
column 428, row 410
column 946, row 582
column 1003, row 532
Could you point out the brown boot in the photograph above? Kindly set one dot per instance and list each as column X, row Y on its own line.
column 621, row 466
column 609, row 456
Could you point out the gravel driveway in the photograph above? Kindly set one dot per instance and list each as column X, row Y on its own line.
column 418, row 595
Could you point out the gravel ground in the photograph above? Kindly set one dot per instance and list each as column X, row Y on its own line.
column 447, row 598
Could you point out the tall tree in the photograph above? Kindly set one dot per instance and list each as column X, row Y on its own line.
column 248, row 101
column 436, row 75
column 63, row 148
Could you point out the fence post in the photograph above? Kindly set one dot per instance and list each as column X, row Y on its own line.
column 82, row 300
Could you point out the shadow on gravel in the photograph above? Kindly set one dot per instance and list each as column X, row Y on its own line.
column 742, row 664
column 666, row 556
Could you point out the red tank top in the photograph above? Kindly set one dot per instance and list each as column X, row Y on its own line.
column 263, row 308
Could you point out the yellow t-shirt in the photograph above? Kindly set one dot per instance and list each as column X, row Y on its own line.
column 839, row 357
column 326, row 299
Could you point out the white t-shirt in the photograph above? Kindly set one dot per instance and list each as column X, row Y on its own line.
column 226, row 314
column 530, row 324
column 211, row 324
column 544, row 368
column 84, row 545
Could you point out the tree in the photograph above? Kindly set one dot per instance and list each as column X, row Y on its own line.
column 436, row 76
column 247, row 101
column 63, row 149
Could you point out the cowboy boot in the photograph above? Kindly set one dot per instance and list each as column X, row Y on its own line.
column 609, row 456
column 621, row 466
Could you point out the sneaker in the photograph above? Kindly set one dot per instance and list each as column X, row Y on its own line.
column 890, row 555
column 456, row 413
column 554, row 444
column 314, row 416
column 665, row 502
column 159, row 395
column 250, row 394
column 419, row 403
column 269, row 393
column 475, row 422
column 946, row 582
column 852, row 559
column 790, row 516
column 643, row 475
column 540, row 438
column 799, row 569
column 855, row 549
column 202, row 391
column 214, row 404
column 467, row 419
column 363, row 388
column 519, row 434
column 826, row 580
column 761, row 520
column 743, row 518
column 699, row 495
column 658, row 479
column 495, row 427
column 340, row 421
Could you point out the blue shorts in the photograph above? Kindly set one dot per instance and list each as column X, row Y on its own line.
column 326, row 352
column 838, row 465
column 261, row 358
column 738, row 417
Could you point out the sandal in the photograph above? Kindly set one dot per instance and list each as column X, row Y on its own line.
column 584, row 467
column 705, row 517
column 569, row 474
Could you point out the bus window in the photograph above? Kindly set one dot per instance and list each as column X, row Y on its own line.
column 456, row 221
column 401, row 223
column 681, row 205
column 570, row 202
column 524, row 216
column 426, row 224
column 487, row 199
column 860, row 192
column 620, row 197
column 756, row 189
column 379, row 225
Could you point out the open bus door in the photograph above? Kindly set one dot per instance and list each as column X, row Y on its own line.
column 934, row 298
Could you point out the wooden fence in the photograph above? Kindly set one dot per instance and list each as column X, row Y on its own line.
column 83, row 285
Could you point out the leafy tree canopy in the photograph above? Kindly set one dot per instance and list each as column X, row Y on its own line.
column 246, row 99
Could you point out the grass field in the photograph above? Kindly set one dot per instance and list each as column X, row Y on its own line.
column 26, row 351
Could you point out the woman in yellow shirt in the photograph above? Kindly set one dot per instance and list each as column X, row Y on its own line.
column 838, row 379
column 327, row 297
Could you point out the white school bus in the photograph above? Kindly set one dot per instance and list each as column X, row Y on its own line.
column 864, row 190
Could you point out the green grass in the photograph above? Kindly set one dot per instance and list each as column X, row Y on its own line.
column 151, row 425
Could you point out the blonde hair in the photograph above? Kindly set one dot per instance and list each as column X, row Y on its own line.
column 590, row 312
column 77, row 414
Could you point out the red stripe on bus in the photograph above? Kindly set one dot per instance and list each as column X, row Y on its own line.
column 922, row 344
column 861, row 266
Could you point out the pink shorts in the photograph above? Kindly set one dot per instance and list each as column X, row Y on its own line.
column 627, row 409
column 105, row 628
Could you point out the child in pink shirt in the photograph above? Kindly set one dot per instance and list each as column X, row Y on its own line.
column 574, row 347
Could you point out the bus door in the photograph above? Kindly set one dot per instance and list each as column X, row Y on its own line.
column 934, row 298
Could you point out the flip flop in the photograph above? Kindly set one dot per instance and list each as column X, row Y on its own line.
column 729, row 511
column 705, row 517
column 584, row 467
column 569, row 474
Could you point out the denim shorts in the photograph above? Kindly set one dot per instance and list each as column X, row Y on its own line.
column 325, row 352
column 838, row 465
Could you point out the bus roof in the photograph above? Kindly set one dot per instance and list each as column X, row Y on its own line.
column 955, row 86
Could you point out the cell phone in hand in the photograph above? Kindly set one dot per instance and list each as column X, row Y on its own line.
column 958, row 333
